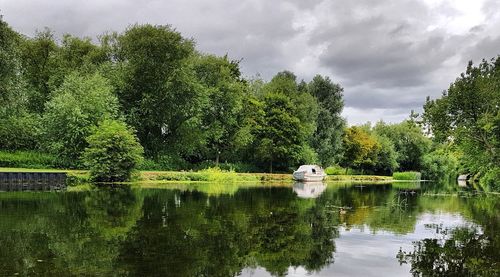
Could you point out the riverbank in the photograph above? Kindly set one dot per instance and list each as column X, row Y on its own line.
column 207, row 175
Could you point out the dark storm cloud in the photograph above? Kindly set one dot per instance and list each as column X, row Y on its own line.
column 388, row 55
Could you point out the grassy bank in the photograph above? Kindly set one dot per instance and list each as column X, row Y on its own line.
column 361, row 178
column 207, row 175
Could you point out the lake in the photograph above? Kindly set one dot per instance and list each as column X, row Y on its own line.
column 251, row 230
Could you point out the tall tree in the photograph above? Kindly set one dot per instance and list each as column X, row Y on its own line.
column 279, row 140
column 10, row 69
column 39, row 65
column 468, row 114
column 327, row 138
column 221, row 118
column 159, row 91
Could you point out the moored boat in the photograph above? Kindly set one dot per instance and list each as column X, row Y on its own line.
column 307, row 173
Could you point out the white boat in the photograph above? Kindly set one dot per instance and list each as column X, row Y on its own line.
column 308, row 173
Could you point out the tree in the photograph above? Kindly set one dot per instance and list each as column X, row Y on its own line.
column 158, row 89
column 327, row 138
column 304, row 104
column 113, row 152
column 387, row 157
column 279, row 139
column 12, row 83
column 283, row 119
column 360, row 149
column 18, row 128
column 221, row 118
column 467, row 115
column 76, row 107
column 39, row 65
column 409, row 142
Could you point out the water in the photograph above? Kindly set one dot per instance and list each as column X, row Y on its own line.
column 251, row 230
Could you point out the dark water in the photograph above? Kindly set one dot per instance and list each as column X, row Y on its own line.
column 226, row 230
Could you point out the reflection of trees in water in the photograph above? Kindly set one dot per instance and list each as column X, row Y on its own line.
column 120, row 231
column 219, row 236
column 460, row 251
column 65, row 234
column 464, row 251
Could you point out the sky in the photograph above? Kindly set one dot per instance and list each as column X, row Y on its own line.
column 389, row 55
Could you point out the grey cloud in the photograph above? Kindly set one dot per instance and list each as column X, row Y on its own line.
column 382, row 52
column 388, row 55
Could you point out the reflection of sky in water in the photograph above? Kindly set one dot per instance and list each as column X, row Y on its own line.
column 359, row 252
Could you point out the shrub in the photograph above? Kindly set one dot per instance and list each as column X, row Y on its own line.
column 408, row 175
column 113, row 152
column 148, row 164
column 439, row 166
column 491, row 179
column 335, row 170
column 28, row 159
column 19, row 132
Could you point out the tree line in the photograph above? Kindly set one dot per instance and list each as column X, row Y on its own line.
column 185, row 107
column 190, row 109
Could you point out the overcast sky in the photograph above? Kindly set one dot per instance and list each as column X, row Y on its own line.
column 387, row 54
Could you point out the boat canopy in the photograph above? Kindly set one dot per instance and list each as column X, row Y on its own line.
column 310, row 168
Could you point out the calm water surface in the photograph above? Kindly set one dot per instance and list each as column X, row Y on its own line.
column 229, row 230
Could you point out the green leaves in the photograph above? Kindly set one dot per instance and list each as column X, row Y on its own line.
column 113, row 152
column 76, row 107
column 327, row 138
column 467, row 115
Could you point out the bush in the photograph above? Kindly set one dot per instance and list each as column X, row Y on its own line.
column 28, row 159
column 113, row 152
column 148, row 164
column 439, row 166
column 408, row 175
column 19, row 132
column 335, row 170
column 491, row 180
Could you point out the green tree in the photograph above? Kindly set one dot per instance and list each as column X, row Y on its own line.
column 291, row 104
column 9, row 62
column 360, row 149
column 221, row 118
column 327, row 138
column 76, row 107
column 304, row 104
column 279, row 140
column 387, row 157
column 158, row 89
column 113, row 152
column 409, row 142
column 39, row 65
column 467, row 115
column 12, row 83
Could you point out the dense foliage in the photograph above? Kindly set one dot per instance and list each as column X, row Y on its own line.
column 113, row 152
column 187, row 108
column 467, row 117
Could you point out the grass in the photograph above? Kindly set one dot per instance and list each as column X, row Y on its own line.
column 206, row 175
column 407, row 176
column 212, row 175
column 367, row 178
